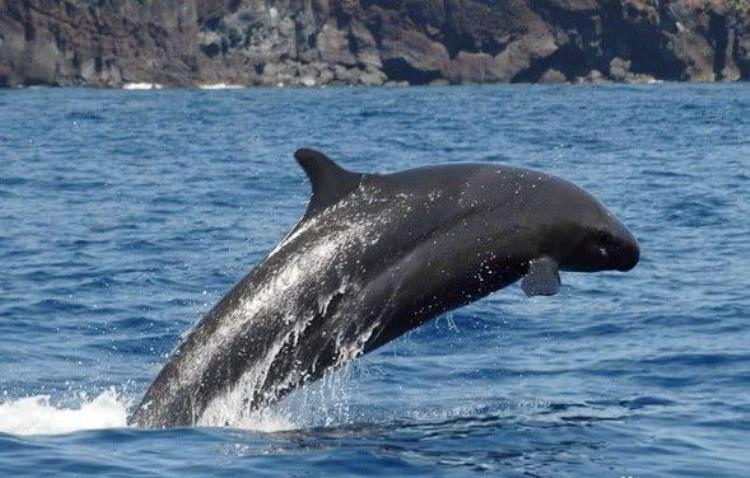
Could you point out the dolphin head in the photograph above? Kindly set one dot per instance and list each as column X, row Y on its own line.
column 600, row 246
column 582, row 235
column 561, row 227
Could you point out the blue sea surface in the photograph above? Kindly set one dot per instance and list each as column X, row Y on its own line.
column 125, row 215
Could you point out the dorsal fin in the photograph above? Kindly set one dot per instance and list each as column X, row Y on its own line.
column 330, row 182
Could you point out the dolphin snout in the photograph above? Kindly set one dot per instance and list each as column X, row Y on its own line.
column 630, row 258
column 628, row 252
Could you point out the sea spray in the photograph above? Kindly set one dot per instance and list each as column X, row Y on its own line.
column 39, row 415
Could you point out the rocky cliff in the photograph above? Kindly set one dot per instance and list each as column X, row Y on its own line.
column 371, row 42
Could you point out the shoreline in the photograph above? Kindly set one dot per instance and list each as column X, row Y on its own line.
column 235, row 88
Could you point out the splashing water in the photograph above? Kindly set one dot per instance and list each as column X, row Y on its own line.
column 324, row 403
column 37, row 415
column 40, row 415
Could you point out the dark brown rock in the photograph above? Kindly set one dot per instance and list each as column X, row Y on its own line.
column 370, row 42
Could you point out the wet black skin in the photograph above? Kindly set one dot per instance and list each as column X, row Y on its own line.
column 452, row 234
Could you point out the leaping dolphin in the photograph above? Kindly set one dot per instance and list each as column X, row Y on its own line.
column 374, row 256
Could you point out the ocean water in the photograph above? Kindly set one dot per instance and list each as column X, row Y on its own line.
column 125, row 215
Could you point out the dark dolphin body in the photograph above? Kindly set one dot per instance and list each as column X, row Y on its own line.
column 373, row 257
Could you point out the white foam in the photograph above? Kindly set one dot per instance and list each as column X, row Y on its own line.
column 141, row 86
column 269, row 420
column 220, row 86
column 37, row 415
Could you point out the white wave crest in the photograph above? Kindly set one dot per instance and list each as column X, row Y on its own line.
column 37, row 415
column 141, row 86
column 220, row 86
